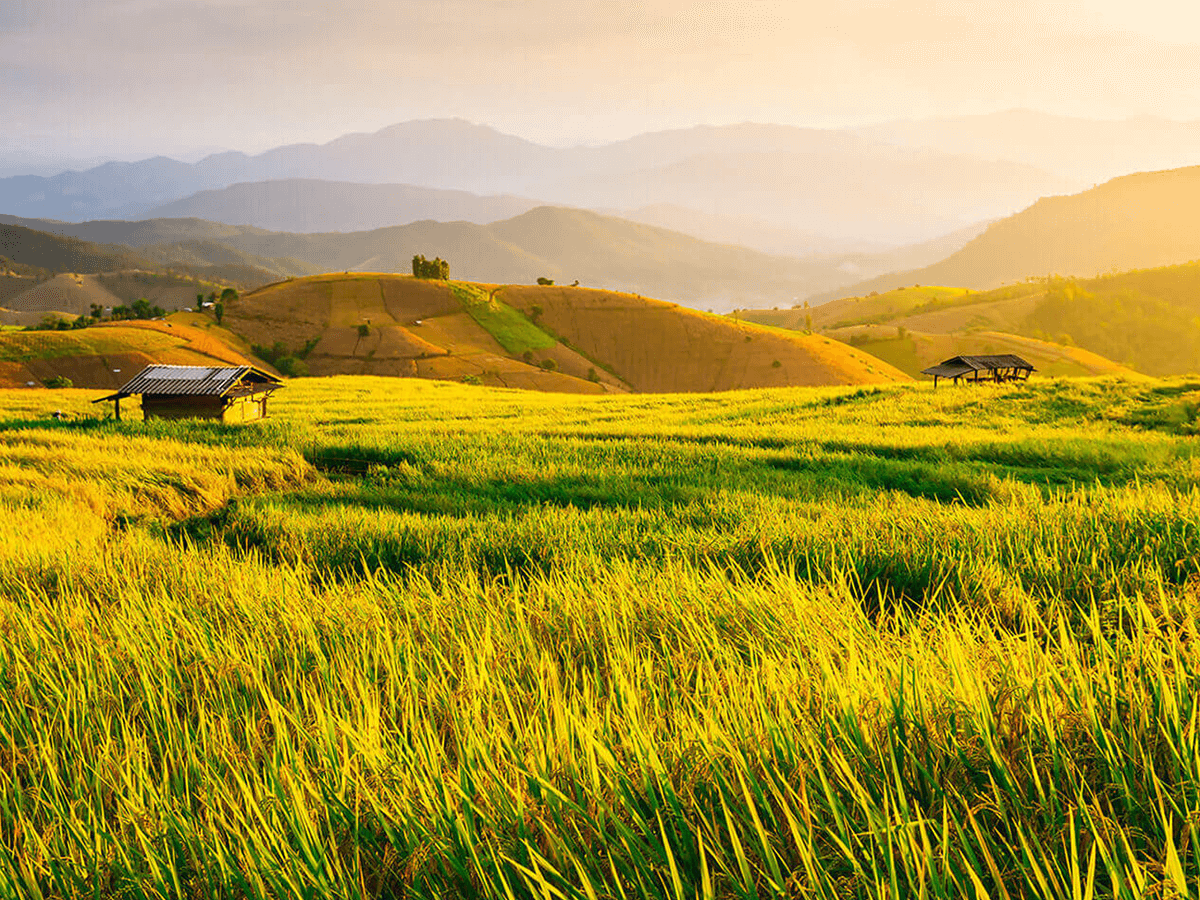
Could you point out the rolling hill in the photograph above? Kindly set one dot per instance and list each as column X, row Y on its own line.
column 560, row 243
column 1146, row 319
column 1146, row 220
column 40, row 250
column 51, row 248
column 545, row 338
column 106, row 356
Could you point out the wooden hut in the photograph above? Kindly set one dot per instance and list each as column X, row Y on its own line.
column 224, row 393
column 997, row 368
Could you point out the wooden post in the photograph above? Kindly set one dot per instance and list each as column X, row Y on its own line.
column 117, row 407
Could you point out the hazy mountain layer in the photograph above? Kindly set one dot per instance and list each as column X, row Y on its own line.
column 808, row 180
column 1137, row 221
column 1083, row 149
column 307, row 205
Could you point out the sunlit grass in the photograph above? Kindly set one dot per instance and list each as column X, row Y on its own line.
column 412, row 639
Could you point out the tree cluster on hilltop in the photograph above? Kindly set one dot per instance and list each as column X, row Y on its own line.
column 430, row 268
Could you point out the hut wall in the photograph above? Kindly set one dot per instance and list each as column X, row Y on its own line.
column 246, row 409
column 182, row 407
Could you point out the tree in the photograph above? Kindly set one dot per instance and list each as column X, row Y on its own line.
column 229, row 295
column 437, row 269
column 219, row 311
column 364, row 329
column 545, row 281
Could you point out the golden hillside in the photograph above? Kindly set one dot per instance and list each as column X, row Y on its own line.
column 1137, row 221
column 109, row 354
column 545, row 338
column 914, row 328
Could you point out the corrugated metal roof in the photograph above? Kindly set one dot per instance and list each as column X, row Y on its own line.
column 210, row 381
column 959, row 365
column 947, row 370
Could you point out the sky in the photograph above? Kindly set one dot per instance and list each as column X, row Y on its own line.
column 130, row 78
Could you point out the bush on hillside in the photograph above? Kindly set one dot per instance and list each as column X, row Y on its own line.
column 291, row 367
column 59, row 381
column 545, row 281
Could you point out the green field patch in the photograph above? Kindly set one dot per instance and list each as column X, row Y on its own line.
column 511, row 329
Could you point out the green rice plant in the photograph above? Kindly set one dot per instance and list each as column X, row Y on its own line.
column 511, row 329
column 429, row 640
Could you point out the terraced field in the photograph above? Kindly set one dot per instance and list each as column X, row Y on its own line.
column 545, row 338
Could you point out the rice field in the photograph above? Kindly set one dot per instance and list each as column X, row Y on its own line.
column 417, row 639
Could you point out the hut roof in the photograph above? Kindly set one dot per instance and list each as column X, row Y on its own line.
column 962, row 365
column 209, row 381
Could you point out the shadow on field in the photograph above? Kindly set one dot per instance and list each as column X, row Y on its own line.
column 462, row 497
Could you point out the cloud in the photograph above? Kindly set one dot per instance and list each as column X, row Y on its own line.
column 257, row 73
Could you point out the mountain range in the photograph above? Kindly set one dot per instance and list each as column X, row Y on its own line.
column 1134, row 222
column 834, row 185
column 559, row 243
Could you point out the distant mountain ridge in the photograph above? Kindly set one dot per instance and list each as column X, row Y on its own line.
column 310, row 205
column 553, row 242
column 1089, row 150
column 1134, row 222
column 826, row 182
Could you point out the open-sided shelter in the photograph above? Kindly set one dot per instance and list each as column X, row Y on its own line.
column 997, row 368
column 225, row 393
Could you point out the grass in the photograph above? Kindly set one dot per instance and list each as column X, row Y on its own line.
column 512, row 330
column 426, row 640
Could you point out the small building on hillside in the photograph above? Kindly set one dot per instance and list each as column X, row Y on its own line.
column 998, row 368
column 225, row 393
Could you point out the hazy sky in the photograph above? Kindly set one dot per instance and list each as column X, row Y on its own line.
column 130, row 77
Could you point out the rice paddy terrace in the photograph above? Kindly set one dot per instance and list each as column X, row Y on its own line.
column 423, row 639
column 109, row 354
column 545, row 338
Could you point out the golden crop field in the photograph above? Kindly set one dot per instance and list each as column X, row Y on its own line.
column 416, row 639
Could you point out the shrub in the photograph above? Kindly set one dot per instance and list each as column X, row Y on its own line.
column 545, row 281
column 291, row 367
column 592, row 376
column 776, row 364
column 549, row 365
column 364, row 329
column 141, row 309
column 59, row 381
